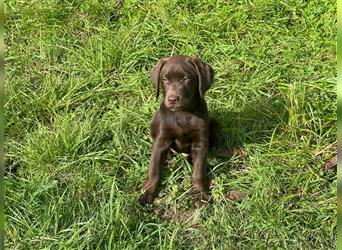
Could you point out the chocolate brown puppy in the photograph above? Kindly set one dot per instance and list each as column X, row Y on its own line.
column 181, row 123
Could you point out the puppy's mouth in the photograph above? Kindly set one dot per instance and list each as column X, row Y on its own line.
column 174, row 108
column 178, row 106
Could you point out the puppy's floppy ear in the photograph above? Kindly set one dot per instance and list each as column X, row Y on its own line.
column 205, row 75
column 155, row 74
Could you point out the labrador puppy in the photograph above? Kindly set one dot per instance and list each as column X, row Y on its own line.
column 181, row 123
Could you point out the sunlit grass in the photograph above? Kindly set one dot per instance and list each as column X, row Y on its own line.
column 79, row 102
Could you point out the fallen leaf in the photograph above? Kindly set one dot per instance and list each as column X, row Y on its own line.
column 332, row 162
column 213, row 183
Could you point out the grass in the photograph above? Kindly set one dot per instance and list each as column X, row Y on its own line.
column 79, row 102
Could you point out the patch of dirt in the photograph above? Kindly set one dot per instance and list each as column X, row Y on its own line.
column 174, row 214
column 231, row 152
column 236, row 195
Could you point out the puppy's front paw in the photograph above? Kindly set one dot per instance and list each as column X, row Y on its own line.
column 200, row 199
column 146, row 198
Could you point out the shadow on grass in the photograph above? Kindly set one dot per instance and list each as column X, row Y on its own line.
column 255, row 123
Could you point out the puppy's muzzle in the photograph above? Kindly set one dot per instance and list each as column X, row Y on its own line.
column 173, row 99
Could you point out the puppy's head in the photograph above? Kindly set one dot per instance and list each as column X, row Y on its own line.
column 184, row 81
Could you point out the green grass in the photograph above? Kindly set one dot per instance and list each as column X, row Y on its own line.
column 79, row 102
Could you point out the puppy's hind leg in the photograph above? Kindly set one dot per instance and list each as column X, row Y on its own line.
column 214, row 131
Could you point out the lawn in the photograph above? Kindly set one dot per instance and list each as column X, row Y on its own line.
column 79, row 101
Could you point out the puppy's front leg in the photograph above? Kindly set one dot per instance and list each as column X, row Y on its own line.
column 159, row 151
column 199, row 176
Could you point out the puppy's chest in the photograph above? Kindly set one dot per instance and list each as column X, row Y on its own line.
column 182, row 142
column 183, row 133
column 183, row 127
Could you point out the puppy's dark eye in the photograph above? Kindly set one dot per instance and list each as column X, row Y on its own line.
column 185, row 78
column 165, row 79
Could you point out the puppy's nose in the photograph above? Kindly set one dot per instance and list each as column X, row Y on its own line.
column 173, row 99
